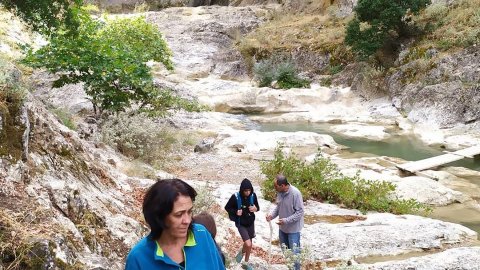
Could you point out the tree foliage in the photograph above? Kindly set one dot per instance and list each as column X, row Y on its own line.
column 378, row 20
column 46, row 16
column 110, row 57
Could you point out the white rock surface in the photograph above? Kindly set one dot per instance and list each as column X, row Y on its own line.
column 255, row 141
column 383, row 234
column 426, row 190
column 376, row 133
column 465, row 258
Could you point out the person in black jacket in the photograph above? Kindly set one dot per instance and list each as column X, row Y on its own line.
column 241, row 208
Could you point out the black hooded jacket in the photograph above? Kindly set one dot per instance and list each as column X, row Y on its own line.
column 247, row 218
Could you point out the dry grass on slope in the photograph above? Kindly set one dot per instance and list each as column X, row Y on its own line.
column 448, row 28
column 286, row 32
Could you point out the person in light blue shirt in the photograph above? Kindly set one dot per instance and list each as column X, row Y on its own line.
column 174, row 241
column 289, row 209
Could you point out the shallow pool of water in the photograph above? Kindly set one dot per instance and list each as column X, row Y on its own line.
column 402, row 146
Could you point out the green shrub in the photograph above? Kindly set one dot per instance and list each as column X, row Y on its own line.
column 437, row 10
column 138, row 136
column 142, row 138
column 275, row 69
column 304, row 176
column 377, row 21
column 304, row 257
column 264, row 72
column 165, row 99
column 321, row 180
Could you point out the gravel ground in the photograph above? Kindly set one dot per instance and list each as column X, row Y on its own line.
column 218, row 167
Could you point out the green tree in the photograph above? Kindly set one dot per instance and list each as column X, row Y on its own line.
column 110, row 58
column 376, row 21
column 46, row 16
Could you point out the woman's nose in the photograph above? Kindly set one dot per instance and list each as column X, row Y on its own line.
column 187, row 218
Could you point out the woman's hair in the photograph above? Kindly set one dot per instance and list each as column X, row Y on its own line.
column 158, row 202
column 208, row 221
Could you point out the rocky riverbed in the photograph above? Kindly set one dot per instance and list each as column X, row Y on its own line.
column 83, row 184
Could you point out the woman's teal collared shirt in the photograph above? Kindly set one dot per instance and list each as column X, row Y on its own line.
column 200, row 254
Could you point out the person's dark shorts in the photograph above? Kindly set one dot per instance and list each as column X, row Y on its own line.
column 247, row 232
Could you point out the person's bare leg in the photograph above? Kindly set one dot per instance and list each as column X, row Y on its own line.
column 247, row 248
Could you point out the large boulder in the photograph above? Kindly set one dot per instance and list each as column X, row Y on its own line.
column 197, row 3
column 118, row 6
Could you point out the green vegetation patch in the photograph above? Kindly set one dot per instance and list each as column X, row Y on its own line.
column 110, row 57
column 143, row 138
column 283, row 72
column 321, row 180
column 65, row 117
column 378, row 21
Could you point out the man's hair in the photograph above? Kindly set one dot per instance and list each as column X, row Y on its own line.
column 281, row 180
column 158, row 202
column 208, row 221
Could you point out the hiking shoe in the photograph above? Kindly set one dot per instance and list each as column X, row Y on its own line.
column 247, row 266
column 239, row 256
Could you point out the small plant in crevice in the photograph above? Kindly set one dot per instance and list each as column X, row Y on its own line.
column 346, row 266
column 303, row 256
column 327, row 81
column 66, row 118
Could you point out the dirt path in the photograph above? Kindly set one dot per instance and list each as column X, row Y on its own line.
column 218, row 167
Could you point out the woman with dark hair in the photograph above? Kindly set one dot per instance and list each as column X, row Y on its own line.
column 174, row 241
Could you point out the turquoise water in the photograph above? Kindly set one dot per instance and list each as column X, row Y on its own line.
column 402, row 146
